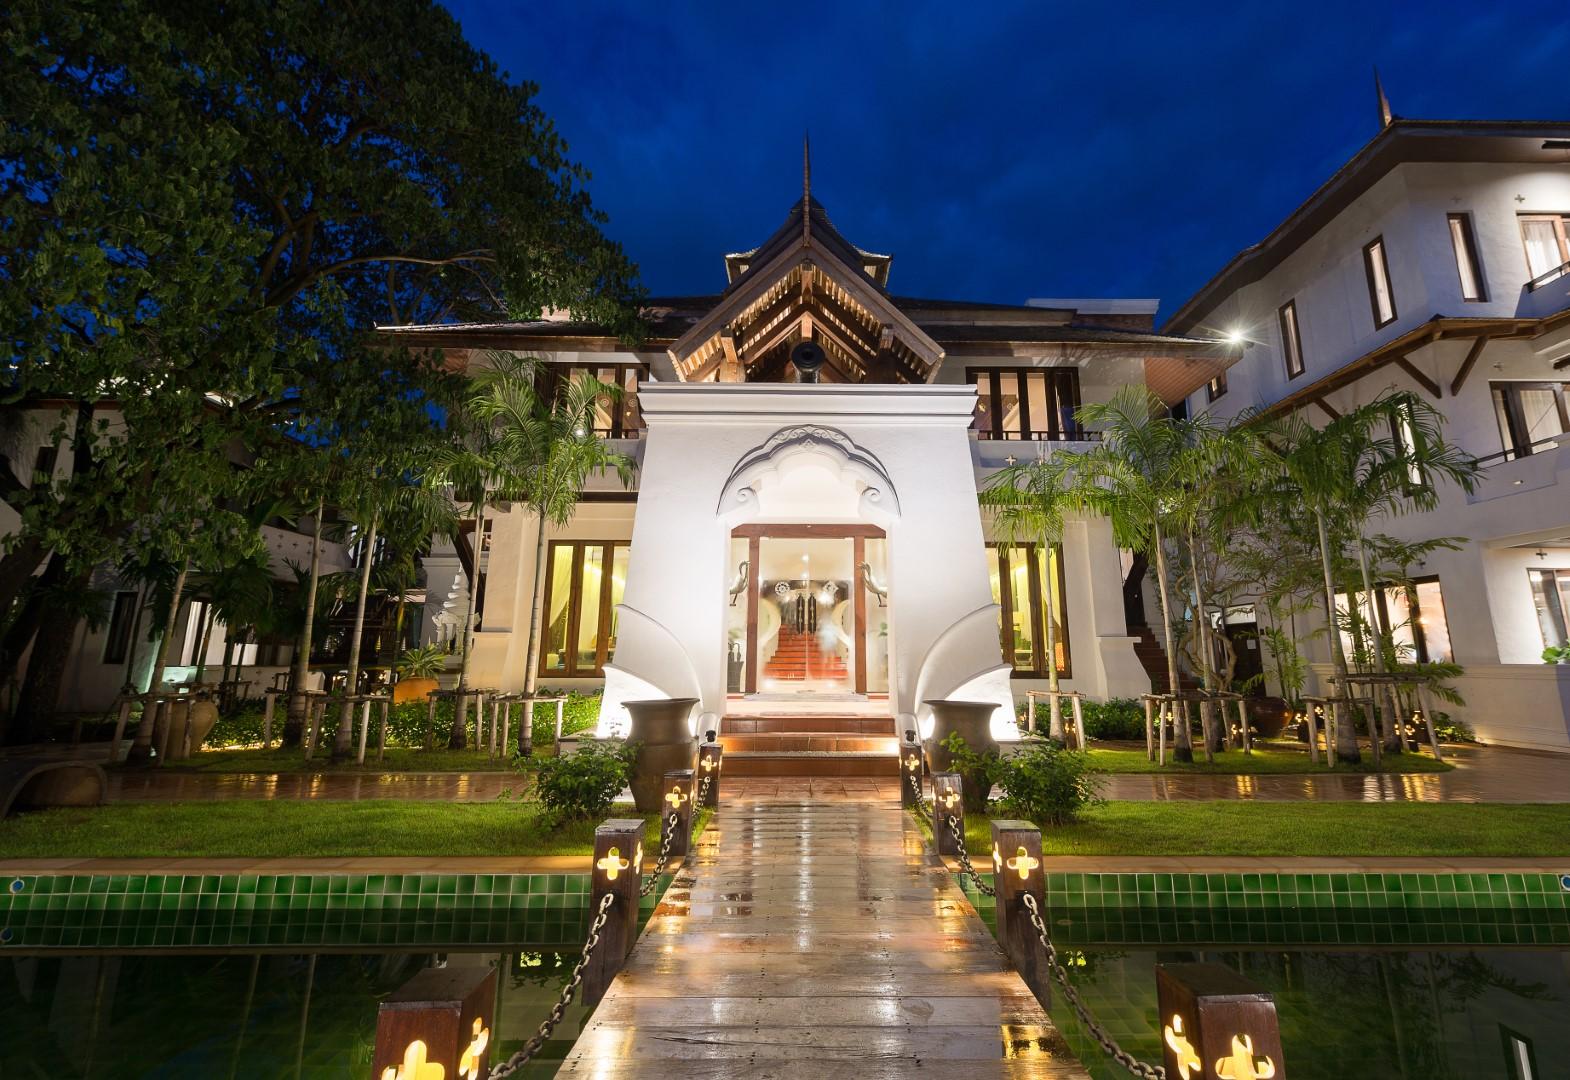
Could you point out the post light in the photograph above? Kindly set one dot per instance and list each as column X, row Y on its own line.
column 678, row 803
column 1014, row 879
column 710, row 759
column 909, row 772
column 438, row 1024
column 948, row 805
column 611, row 875
column 1217, row 1024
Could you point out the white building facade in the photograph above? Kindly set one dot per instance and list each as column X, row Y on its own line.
column 1436, row 262
column 804, row 536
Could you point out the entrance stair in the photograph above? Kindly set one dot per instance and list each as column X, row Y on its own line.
column 815, row 745
column 799, row 654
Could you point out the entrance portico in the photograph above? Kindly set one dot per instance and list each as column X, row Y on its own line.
column 735, row 479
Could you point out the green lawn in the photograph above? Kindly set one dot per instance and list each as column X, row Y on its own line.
column 397, row 759
column 1244, row 827
column 1263, row 761
column 300, row 828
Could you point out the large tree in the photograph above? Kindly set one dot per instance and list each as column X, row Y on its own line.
column 205, row 206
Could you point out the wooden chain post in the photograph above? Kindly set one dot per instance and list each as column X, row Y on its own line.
column 1017, row 871
column 909, row 774
column 617, row 869
column 1216, row 1023
column 677, row 799
column 439, row 1023
column 710, row 757
column 948, row 803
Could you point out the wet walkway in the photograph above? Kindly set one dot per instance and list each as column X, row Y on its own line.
column 817, row 942
column 1483, row 774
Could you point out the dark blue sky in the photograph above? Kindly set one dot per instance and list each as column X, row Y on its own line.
column 999, row 151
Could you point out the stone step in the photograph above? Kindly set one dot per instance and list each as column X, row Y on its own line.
column 817, row 742
column 809, row 763
column 837, row 725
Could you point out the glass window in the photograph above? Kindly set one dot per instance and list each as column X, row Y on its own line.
column 984, row 381
column 1551, row 598
column 1531, row 415
column 619, row 421
column 1026, row 403
column 1022, row 615
column 1546, row 249
column 1216, row 387
column 1413, row 613
column 1466, row 257
column 1291, row 341
column 117, row 643
column 1379, row 294
column 580, row 605
column 1008, row 405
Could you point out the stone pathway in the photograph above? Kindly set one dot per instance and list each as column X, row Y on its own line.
column 817, row 941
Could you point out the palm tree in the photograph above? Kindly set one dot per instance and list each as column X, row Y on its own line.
column 1133, row 478
column 1028, row 500
column 546, row 449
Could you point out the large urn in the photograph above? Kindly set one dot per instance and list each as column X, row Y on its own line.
column 663, row 733
column 972, row 720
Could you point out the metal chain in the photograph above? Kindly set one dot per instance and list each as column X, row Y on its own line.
column 964, row 859
column 921, row 802
column 667, row 835
column 558, row 1010
column 1139, row 1068
column 703, row 789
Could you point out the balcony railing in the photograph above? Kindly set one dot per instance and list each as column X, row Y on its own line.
column 1515, row 452
column 1070, row 435
column 1544, row 278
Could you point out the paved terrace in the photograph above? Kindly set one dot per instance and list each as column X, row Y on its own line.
column 806, row 940
column 1484, row 774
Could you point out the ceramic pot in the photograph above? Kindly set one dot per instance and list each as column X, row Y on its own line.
column 665, row 742
column 973, row 721
column 1269, row 716
column 170, row 733
column 415, row 688
column 200, row 720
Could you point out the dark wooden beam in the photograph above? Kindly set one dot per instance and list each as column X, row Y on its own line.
column 1325, row 405
column 1418, row 377
column 1466, row 365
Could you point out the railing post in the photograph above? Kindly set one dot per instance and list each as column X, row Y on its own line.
column 1017, row 872
column 617, row 869
column 947, row 803
column 1215, row 1022
column 710, row 757
column 270, row 702
column 440, row 1021
column 677, row 800
column 909, row 773
column 430, row 719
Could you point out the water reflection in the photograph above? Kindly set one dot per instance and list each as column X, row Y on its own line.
column 1432, row 1015
column 282, row 1016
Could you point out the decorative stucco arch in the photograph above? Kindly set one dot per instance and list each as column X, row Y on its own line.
column 764, row 464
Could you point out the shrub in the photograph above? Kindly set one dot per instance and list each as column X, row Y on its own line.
column 422, row 662
column 1452, row 729
column 580, row 712
column 1047, row 784
column 1118, row 718
column 583, row 785
column 977, row 772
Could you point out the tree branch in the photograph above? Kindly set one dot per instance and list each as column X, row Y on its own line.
column 292, row 288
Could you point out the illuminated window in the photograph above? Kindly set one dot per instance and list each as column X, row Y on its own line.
column 1380, row 296
column 1467, row 267
column 1551, row 598
column 584, row 583
column 1216, row 387
column 1547, row 246
column 1414, row 613
column 1022, row 623
column 1026, row 403
column 1291, row 339
column 1520, row 1059
column 620, row 419
column 1531, row 416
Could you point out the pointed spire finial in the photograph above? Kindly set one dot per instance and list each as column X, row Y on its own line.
column 806, row 187
column 1386, row 117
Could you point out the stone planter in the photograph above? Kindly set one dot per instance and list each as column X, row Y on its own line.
column 973, row 721
column 665, row 742
column 200, row 721
column 414, row 688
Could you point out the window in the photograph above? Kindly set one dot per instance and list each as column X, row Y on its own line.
column 1547, row 250
column 1216, row 387
column 1520, row 1059
column 1291, row 340
column 117, row 643
column 612, row 420
column 1467, row 267
column 1026, row 403
column 1413, row 613
column 1022, row 625
column 1531, row 415
column 1380, row 298
column 1551, row 598
column 584, row 583
column 1405, row 435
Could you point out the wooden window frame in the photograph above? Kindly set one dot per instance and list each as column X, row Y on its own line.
column 1291, row 339
column 1419, row 639
column 1060, row 383
column 1561, row 224
column 571, row 670
column 552, row 375
column 1520, row 446
column 1038, row 639
column 1377, row 265
column 1463, row 241
column 1216, row 388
